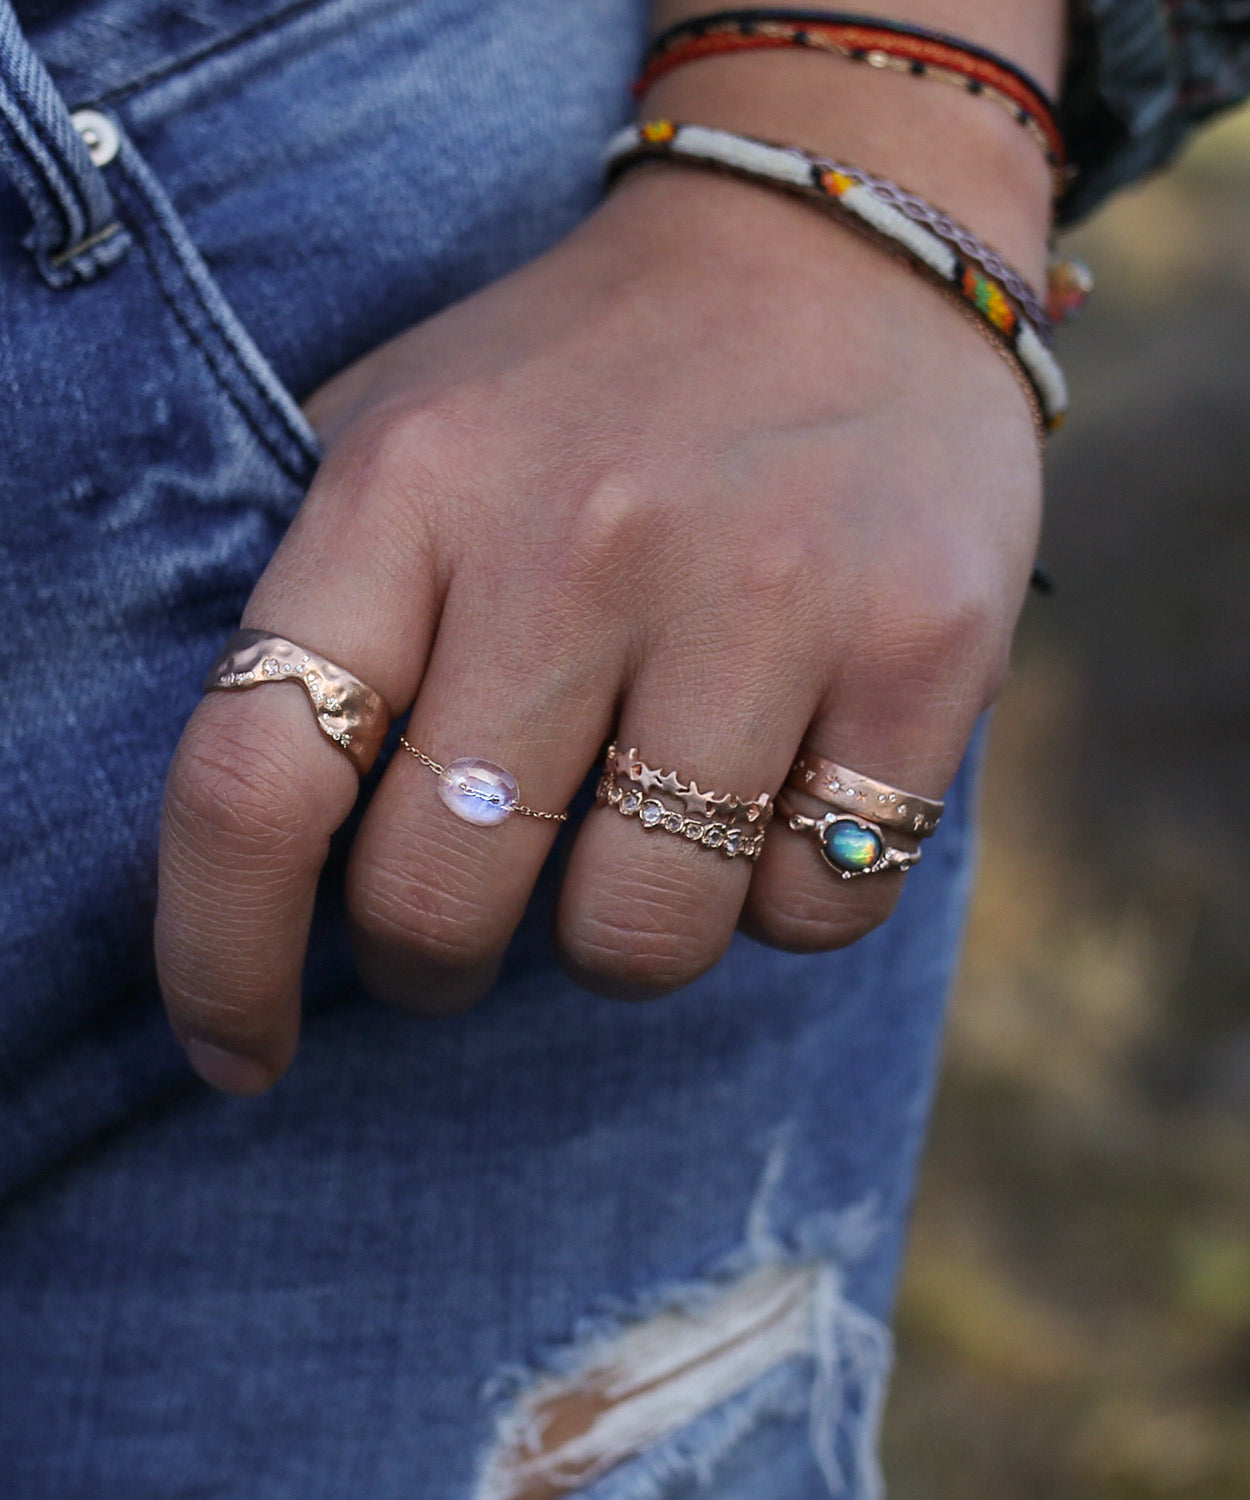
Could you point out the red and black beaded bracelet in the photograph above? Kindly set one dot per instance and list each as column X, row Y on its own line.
column 882, row 44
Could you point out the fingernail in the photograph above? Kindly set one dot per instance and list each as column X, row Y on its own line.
column 228, row 1071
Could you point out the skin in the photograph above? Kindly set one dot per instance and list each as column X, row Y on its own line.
column 714, row 474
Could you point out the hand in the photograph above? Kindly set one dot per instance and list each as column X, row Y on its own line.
column 713, row 475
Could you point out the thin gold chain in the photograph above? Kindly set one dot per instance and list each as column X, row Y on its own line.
column 422, row 756
column 530, row 812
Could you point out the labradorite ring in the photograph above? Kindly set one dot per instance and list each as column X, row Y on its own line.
column 848, row 844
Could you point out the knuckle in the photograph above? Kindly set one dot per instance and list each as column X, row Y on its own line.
column 242, row 782
column 640, row 943
column 424, row 915
column 995, row 675
column 812, row 921
column 617, row 521
column 768, row 573
column 940, row 647
column 393, row 469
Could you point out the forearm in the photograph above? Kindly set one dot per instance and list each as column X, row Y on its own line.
column 969, row 158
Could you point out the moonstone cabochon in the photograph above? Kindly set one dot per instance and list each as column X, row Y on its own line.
column 478, row 791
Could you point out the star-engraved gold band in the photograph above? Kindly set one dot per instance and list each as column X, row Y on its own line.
column 724, row 824
column 350, row 714
column 727, row 806
column 850, row 792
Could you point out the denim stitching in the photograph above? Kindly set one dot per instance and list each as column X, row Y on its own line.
column 213, row 357
column 173, row 66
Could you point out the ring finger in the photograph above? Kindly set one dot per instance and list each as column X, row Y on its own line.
column 807, row 899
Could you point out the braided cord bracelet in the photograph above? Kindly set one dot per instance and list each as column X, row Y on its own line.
column 904, row 48
column 863, row 203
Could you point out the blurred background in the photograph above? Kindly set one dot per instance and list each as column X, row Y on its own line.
column 1075, row 1318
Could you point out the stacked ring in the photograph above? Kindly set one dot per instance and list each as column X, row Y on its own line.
column 873, row 826
column 905, row 812
column 735, row 831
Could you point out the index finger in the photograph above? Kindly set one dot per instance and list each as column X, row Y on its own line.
column 257, row 789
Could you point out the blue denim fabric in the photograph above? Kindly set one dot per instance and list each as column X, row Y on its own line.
column 74, row 232
column 312, row 1295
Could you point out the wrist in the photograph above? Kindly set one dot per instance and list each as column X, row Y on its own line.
column 970, row 159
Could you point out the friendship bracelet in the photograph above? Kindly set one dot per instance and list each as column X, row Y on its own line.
column 903, row 48
column 964, row 243
column 864, row 203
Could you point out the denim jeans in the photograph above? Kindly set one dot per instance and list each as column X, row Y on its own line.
column 347, row 1288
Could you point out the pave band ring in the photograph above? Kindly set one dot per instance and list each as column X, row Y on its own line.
column 850, row 792
column 347, row 711
column 848, row 844
column 737, row 832
column 478, row 791
column 726, row 805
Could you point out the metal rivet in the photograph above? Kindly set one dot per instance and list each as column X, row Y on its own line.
column 99, row 135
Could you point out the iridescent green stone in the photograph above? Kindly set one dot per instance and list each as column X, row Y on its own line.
column 849, row 847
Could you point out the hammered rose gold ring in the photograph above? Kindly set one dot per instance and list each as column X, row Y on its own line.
column 347, row 712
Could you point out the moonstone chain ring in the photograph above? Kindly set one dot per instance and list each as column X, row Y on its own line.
column 478, row 791
column 347, row 712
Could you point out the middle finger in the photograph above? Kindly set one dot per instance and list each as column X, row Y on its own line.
column 646, row 909
column 528, row 685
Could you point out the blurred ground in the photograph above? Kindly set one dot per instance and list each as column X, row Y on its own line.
column 1075, row 1319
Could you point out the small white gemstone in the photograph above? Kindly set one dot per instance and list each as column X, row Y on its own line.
column 714, row 835
column 650, row 813
column 333, row 706
column 631, row 802
column 287, row 669
column 733, row 841
column 246, row 676
column 673, row 821
column 693, row 829
column 614, row 795
column 478, row 791
column 270, row 666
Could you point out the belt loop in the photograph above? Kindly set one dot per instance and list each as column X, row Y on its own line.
column 76, row 231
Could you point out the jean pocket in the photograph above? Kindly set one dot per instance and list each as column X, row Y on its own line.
column 152, row 460
column 182, row 279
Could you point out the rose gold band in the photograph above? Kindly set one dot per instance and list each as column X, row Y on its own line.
column 726, row 805
column 721, row 822
column 347, row 712
column 848, row 791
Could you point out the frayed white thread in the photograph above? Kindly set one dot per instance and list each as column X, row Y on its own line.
column 854, row 1355
column 762, row 1244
